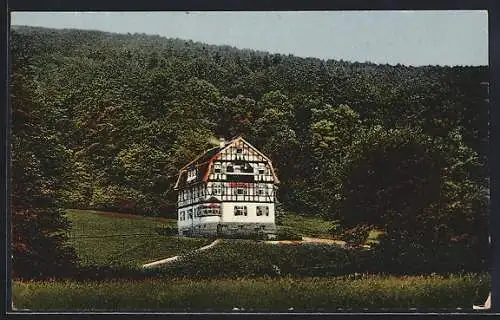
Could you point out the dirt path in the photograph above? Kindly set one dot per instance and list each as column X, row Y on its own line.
column 314, row 240
column 175, row 258
column 309, row 240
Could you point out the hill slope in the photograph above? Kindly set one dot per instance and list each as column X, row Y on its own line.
column 134, row 108
column 106, row 239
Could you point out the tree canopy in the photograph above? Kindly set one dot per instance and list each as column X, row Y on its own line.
column 117, row 115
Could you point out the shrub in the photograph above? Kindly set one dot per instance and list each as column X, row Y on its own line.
column 244, row 258
column 356, row 236
column 402, row 256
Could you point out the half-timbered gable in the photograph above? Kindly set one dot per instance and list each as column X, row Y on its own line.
column 233, row 183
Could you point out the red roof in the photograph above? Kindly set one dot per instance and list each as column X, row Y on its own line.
column 203, row 162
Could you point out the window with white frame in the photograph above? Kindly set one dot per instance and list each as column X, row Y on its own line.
column 190, row 214
column 181, row 216
column 217, row 189
column 210, row 211
column 262, row 168
column 247, row 168
column 240, row 210
column 191, row 174
column 262, row 211
column 241, row 191
column 217, row 168
column 261, row 190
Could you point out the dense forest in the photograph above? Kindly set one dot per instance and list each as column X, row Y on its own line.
column 104, row 121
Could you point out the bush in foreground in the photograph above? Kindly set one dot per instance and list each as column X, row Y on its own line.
column 246, row 258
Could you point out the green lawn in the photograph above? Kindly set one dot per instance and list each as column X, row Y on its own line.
column 308, row 226
column 114, row 239
column 317, row 227
column 98, row 223
column 303, row 294
column 107, row 239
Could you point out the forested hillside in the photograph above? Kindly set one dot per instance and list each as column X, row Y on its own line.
column 359, row 142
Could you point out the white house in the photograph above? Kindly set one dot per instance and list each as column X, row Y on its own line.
column 228, row 190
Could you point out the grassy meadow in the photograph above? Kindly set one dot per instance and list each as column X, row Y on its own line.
column 125, row 240
column 316, row 227
column 107, row 239
column 308, row 226
column 247, row 274
column 260, row 294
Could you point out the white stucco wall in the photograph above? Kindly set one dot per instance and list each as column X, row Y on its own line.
column 196, row 220
column 228, row 212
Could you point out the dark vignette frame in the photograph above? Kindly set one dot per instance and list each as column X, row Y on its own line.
column 492, row 6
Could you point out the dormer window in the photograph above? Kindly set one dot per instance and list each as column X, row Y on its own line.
column 191, row 174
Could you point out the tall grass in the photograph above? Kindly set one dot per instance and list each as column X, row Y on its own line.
column 307, row 294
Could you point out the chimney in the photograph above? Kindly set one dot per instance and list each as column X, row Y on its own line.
column 222, row 142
